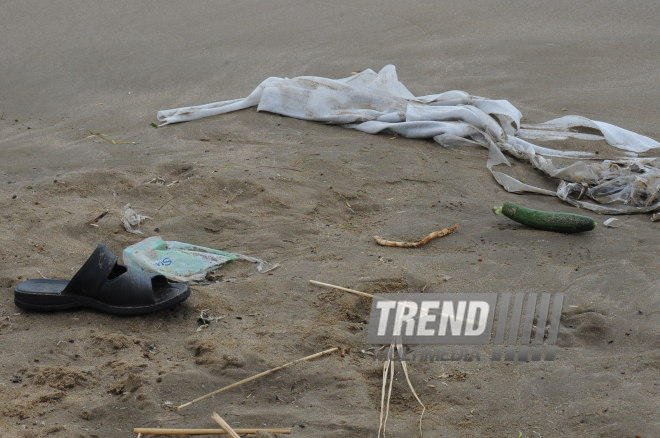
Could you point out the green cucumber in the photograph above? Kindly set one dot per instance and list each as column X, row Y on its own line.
column 546, row 220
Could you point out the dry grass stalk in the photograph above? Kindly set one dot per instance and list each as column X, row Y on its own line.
column 258, row 376
column 388, row 374
column 109, row 140
column 333, row 286
column 222, row 423
column 161, row 431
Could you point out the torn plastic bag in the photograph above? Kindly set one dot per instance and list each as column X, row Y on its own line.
column 571, row 126
column 624, row 186
column 182, row 262
column 377, row 102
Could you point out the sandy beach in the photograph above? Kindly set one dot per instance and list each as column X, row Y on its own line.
column 310, row 197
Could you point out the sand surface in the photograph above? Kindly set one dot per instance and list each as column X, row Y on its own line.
column 310, row 197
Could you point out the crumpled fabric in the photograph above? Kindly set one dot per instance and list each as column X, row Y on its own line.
column 378, row 103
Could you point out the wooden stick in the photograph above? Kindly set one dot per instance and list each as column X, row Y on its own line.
column 357, row 292
column 222, row 423
column 283, row 168
column 333, row 286
column 379, row 240
column 98, row 218
column 158, row 431
column 257, row 376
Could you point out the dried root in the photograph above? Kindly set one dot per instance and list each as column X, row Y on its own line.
column 379, row 240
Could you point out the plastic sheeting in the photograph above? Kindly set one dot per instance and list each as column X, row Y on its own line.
column 180, row 261
column 377, row 102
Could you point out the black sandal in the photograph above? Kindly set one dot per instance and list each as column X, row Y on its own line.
column 105, row 285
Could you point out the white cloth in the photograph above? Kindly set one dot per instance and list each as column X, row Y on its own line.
column 377, row 102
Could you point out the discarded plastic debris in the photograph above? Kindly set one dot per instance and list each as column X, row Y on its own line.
column 131, row 219
column 434, row 235
column 205, row 319
column 611, row 222
column 182, row 262
column 157, row 180
column 377, row 102
column 262, row 266
column 570, row 126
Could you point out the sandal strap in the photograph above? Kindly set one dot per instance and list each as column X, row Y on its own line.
column 91, row 276
column 132, row 288
column 103, row 279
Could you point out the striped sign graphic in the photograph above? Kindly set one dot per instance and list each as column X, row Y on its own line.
column 520, row 327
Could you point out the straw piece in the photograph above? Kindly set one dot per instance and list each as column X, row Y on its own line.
column 222, row 423
column 158, row 431
column 333, row 286
column 109, row 140
column 367, row 295
column 388, row 376
column 257, row 376
column 412, row 389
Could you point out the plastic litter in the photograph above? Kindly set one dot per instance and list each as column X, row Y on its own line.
column 377, row 102
column 569, row 127
column 205, row 319
column 182, row 262
column 611, row 222
column 131, row 219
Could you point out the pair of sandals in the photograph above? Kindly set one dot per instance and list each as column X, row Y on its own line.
column 102, row 284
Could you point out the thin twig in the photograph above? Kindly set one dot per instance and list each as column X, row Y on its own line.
column 98, row 218
column 257, row 376
column 333, row 286
column 166, row 202
column 158, row 431
column 109, row 140
column 283, row 168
